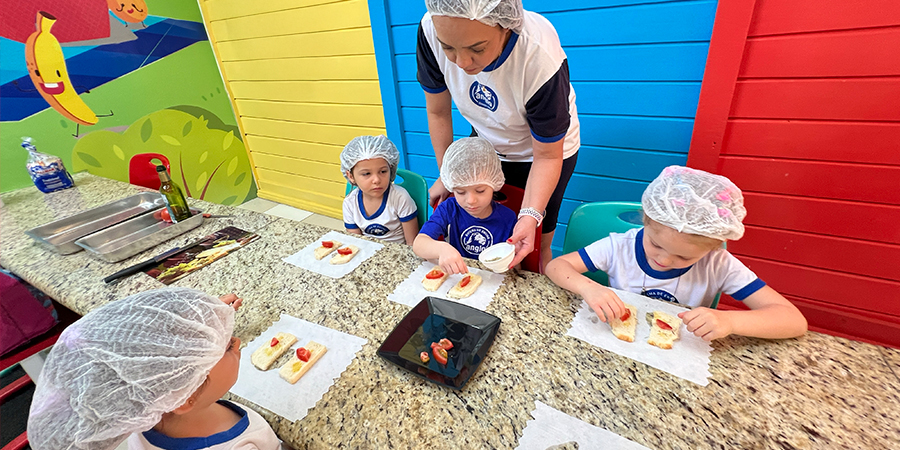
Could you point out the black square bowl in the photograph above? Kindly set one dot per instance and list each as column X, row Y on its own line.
column 471, row 331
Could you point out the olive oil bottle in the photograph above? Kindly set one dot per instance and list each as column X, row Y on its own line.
column 175, row 202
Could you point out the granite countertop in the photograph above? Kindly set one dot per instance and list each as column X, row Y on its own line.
column 817, row 391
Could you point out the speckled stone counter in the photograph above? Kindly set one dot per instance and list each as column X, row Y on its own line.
column 814, row 392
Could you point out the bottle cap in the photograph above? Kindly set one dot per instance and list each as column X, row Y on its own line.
column 160, row 168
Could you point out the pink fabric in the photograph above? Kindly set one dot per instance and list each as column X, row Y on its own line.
column 22, row 317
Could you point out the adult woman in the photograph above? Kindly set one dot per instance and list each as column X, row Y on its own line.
column 505, row 70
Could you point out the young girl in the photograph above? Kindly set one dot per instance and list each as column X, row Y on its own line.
column 377, row 207
column 471, row 220
column 153, row 366
column 678, row 257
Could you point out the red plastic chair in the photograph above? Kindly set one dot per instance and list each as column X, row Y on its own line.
column 142, row 169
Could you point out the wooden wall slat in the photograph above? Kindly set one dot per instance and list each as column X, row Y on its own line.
column 327, row 68
column 321, row 133
column 328, row 17
column 334, row 114
column 856, row 257
column 301, row 167
column 877, row 143
column 854, row 220
column 315, row 151
column 354, row 41
column 832, row 99
column 352, row 92
column 841, row 181
column 226, row 9
column 312, row 187
column 797, row 16
column 867, row 52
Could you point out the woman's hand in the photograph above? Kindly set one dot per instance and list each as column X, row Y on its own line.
column 437, row 193
column 232, row 300
column 523, row 238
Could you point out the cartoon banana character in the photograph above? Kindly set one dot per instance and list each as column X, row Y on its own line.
column 48, row 72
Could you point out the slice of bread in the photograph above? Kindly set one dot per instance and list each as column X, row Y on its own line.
column 625, row 329
column 460, row 291
column 659, row 335
column 433, row 284
column 294, row 369
column 265, row 355
column 344, row 259
column 323, row 251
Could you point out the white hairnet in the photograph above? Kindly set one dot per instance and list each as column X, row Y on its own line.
column 506, row 13
column 470, row 161
column 369, row 147
column 696, row 202
column 120, row 367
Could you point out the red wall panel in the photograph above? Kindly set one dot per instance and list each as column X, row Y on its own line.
column 830, row 99
column 794, row 16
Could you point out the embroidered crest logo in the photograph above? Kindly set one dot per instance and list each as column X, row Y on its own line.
column 659, row 294
column 483, row 96
column 475, row 239
column 376, row 229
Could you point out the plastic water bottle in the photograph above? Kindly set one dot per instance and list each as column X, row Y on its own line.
column 47, row 171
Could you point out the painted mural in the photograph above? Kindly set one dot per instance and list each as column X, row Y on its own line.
column 109, row 87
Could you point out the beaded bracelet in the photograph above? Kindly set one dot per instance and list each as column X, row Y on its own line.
column 531, row 212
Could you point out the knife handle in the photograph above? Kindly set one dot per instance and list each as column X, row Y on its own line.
column 130, row 270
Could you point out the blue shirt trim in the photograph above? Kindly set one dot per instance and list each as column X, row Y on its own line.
column 645, row 265
column 351, row 226
column 433, row 90
column 362, row 207
column 551, row 139
column 587, row 260
column 410, row 217
column 195, row 443
column 748, row 290
column 513, row 37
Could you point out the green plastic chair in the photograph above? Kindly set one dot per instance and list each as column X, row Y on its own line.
column 416, row 186
column 593, row 221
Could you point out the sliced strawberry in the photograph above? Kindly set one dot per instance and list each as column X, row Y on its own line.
column 327, row 244
column 663, row 325
column 345, row 251
column 274, row 342
column 303, row 354
column 435, row 274
column 625, row 316
column 465, row 281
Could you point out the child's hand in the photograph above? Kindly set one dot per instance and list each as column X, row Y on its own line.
column 605, row 303
column 233, row 300
column 451, row 261
column 706, row 323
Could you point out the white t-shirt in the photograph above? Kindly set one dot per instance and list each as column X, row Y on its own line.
column 386, row 223
column 622, row 257
column 525, row 93
column 252, row 432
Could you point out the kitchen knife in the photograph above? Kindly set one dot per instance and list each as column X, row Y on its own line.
column 150, row 262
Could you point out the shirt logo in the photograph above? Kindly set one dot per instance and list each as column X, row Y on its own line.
column 659, row 294
column 483, row 96
column 376, row 229
column 475, row 239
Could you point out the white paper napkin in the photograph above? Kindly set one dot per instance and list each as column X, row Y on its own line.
column 292, row 401
column 553, row 427
column 306, row 258
column 688, row 358
column 410, row 292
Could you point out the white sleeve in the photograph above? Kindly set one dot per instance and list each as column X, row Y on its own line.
column 734, row 277
column 348, row 207
column 598, row 256
column 405, row 206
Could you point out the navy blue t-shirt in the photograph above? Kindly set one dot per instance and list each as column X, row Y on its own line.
column 466, row 233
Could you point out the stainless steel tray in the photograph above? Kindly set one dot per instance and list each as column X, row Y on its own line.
column 60, row 235
column 134, row 236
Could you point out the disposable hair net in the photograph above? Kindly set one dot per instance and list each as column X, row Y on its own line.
column 471, row 161
column 506, row 13
column 696, row 202
column 120, row 367
column 369, row 147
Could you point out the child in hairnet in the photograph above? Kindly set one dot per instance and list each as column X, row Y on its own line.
column 150, row 368
column 471, row 220
column 678, row 257
column 377, row 207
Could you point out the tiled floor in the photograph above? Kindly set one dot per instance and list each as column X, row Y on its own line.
column 289, row 212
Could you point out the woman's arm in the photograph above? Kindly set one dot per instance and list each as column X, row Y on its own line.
column 410, row 230
column 542, row 180
column 440, row 129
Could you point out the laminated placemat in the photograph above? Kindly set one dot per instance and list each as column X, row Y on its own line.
column 552, row 428
column 688, row 358
column 306, row 258
column 292, row 401
column 411, row 291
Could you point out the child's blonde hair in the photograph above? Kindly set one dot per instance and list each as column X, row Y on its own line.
column 696, row 239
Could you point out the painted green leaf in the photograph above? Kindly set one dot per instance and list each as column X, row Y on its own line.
column 203, row 157
column 169, row 139
column 187, row 128
column 226, row 142
column 229, row 200
column 89, row 160
column 232, row 166
column 240, row 178
column 201, row 181
column 146, row 130
column 118, row 151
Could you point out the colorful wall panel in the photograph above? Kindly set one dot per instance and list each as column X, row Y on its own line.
column 303, row 80
column 636, row 68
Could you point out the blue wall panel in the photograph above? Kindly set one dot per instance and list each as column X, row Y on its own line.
column 635, row 65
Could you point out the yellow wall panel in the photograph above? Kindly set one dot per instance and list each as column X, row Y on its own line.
column 356, row 41
column 356, row 67
column 335, row 114
column 303, row 81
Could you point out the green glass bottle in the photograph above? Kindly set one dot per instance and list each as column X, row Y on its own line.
column 175, row 202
